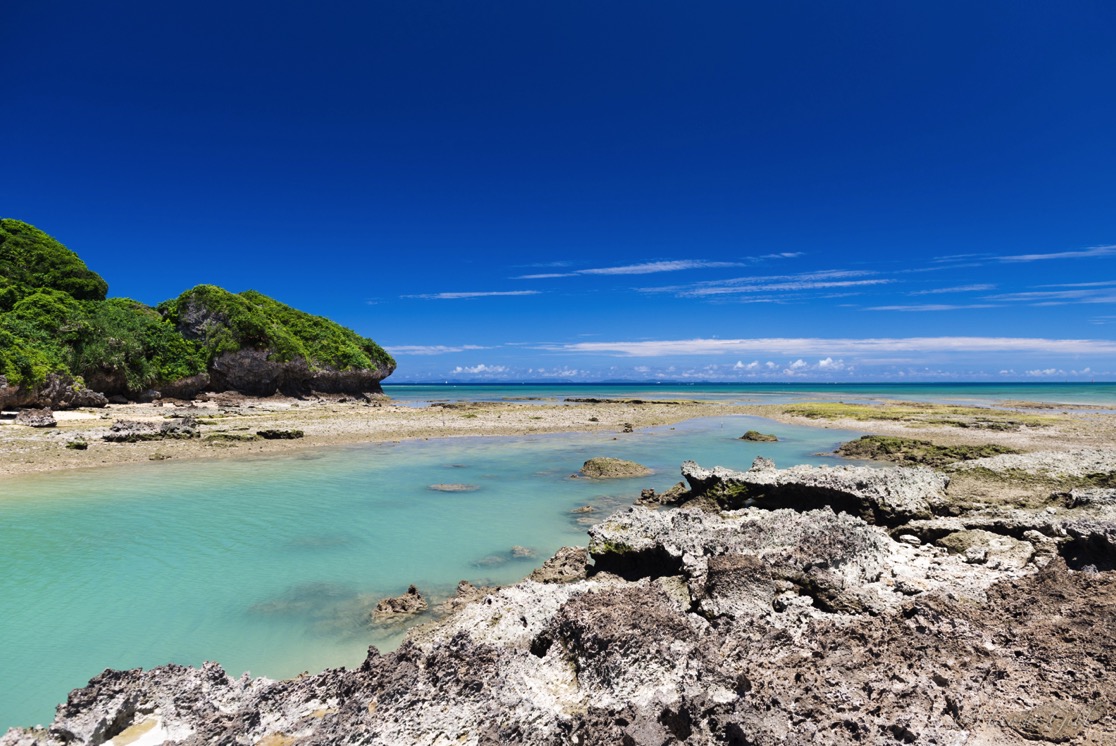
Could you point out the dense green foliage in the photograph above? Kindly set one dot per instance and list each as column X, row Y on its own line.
column 128, row 339
column 54, row 319
column 31, row 259
column 227, row 322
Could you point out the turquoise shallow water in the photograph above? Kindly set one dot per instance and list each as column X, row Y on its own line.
column 270, row 565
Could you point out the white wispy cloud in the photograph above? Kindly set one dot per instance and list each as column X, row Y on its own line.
column 931, row 307
column 1060, row 297
column 956, row 289
column 479, row 369
column 648, row 268
column 431, row 349
column 473, row 294
column 656, row 267
column 1092, row 251
column 800, row 282
column 643, row 268
column 804, row 346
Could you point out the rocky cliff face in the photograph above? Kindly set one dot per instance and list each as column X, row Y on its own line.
column 704, row 625
column 254, row 352
column 56, row 392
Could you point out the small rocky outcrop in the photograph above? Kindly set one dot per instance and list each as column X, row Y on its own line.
column 756, row 436
column 911, row 451
column 604, row 467
column 465, row 594
column 280, row 434
column 566, row 566
column 676, row 495
column 135, row 431
column 887, row 496
column 408, row 604
column 36, row 418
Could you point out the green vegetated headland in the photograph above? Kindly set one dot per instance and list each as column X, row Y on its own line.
column 55, row 318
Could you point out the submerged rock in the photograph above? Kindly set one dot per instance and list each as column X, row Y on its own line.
column 604, row 467
column 454, row 487
column 409, row 603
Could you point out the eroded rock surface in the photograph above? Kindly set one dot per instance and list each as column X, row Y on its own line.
column 133, row 431
column 887, row 496
column 612, row 468
column 36, row 418
column 56, row 392
column 408, row 604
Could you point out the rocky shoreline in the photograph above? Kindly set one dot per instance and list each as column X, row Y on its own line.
column 229, row 425
column 810, row 604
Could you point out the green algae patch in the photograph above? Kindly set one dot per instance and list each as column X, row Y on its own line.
column 921, row 413
column 914, row 452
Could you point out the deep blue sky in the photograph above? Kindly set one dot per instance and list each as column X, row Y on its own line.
column 686, row 177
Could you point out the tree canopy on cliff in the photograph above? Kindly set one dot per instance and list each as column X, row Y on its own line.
column 54, row 318
column 226, row 322
column 31, row 259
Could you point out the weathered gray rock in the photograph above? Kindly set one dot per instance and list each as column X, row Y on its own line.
column 257, row 373
column 604, row 467
column 36, row 418
column 997, row 550
column 56, row 392
column 888, row 496
column 1095, row 497
column 676, row 495
column 409, row 603
column 1080, row 462
column 757, row 437
column 134, row 431
column 567, row 565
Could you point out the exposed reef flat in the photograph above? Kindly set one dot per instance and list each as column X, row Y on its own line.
column 229, row 423
column 829, row 605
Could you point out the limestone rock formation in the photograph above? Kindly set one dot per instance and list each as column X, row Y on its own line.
column 57, row 391
column 409, row 603
column 886, row 496
column 567, row 565
column 36, row 418
column 134, row 431
column 604, row 467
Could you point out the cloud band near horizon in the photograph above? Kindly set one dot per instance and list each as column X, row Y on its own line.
column 820, row 346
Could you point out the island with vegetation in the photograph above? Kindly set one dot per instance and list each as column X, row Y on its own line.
column 64, row 343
